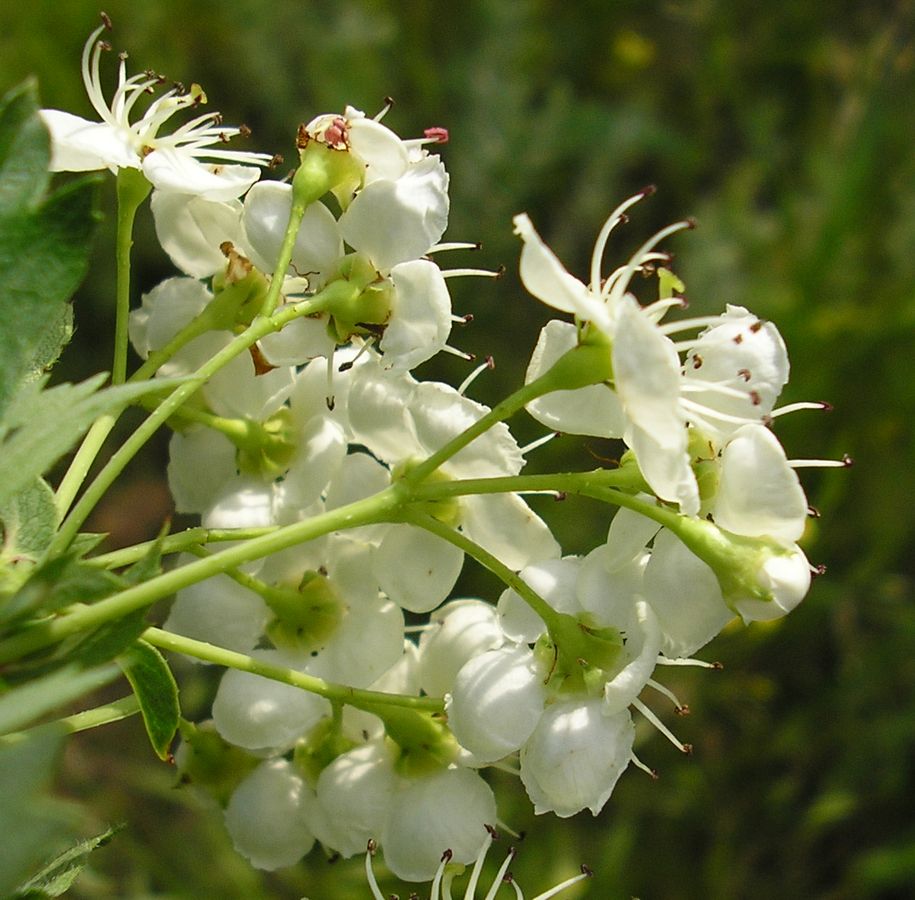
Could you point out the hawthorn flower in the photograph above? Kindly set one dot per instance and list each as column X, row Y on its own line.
column 170, row 162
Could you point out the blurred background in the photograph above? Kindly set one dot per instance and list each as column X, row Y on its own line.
column 787, row 131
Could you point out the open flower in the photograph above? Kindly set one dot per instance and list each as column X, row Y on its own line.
column 171, row 162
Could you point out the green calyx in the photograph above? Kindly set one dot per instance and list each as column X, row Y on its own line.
column 323, row 744
column 590, row 362
column 239, row 294
column 133, row 187
column 304, row 616
column 208, row 761
column 423, row 741
column 446, row 510
column 357, row 299
column 704, row 460
column 264, row 448
column 578, row 655
column 323, row 169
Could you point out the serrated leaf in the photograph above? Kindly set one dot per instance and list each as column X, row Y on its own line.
column 155, row 688
column 40, row 425
column 57, row 877
column 25, row 149
column 23, row 706
column 30, row 821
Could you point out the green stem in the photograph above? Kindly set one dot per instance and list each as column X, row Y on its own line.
column 580, row 483
column 285, row 256
column 132, row 190
column 486, row 559
column 336, row 693
column 501, row 411
column 256, row 330
column 90, row 718
column 380, row 507
column 176, row 543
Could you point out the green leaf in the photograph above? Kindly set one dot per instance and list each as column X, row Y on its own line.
column 30, row 821
column 44, row 244
column 29, row 522
column 155, row 688
column 22, row 706
column 25, row 150
column 57, row 877
column 40, row 425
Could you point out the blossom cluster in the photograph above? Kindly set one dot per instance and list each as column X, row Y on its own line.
column 325, row 413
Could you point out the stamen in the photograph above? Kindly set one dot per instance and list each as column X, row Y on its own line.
column 435, row 135
column 466, row 319
column 611, row 280
column 468, row 357
column 822, row 406
column 482, row 273
column 681, row 709
column 329, row 375
column 371, row 847
column 487, row 363
column 575, row 879
column 648, row 714
column 651, row 773
column 455, row 245
column 687, row 661
column 661, row 306
column 387, row 103
column 614, row 219
column 697, row 385
column 689, row 324
column 533, row 445
column 478, row 864
column 501, row 874
column 437, row 881
column 846, row 462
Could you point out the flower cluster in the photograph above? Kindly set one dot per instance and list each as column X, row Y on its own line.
column 340, row 726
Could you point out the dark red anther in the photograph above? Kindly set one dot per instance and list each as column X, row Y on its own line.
column 697, row 361
column 744, row 374
column 755, row 398
column 106, row 20
column 337, row 134
column 757, row 325
column 738, row 338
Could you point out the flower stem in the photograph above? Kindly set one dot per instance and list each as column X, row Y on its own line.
column 338, row 693
column 486, row 559
column 132, row 190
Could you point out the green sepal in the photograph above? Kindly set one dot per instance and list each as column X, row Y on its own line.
column 205, row 759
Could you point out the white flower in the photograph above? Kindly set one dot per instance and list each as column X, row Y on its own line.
column 267, row 816
column 575, row 756
column 171, row 162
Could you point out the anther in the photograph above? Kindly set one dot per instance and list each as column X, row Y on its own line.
column 738, row 338
column 624, row 219
column 755, row 398
column 244, row 130
column 757, row 325
column 436, row 134
column 697, row 361
column 744, row 374
column 275, row 161
column 691, row 223
column 104, row 45
column 106, row 20
column 813, row 512
column 818, row 569
column 372, row 846
column 122, row 56
column 648, row 190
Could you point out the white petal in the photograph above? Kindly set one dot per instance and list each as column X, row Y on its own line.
column 685, row 595
column 497, row 700
column 544, row 276
column 508, row 528
column 164, row 311
column 609, row 594
column 392, row 221
column 355, row 791
column 177, row 170
column 643, row 643
column 444, row 811
column 458, row 631
column 575, row 756
column 420, row 315
column 594, row 410
column 261, row 714
column 759, row 494
column 321, row 450
column 266, row 816
column 382, row 151
column 787, row 577
column 629, row 533
column 78, row 145
column 235, row 391
column 299, row 341
column 666, row 467
column 191, row 228
column 200, row 461
column 417, row 570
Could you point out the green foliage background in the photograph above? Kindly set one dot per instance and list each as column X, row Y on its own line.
column 786, row 129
